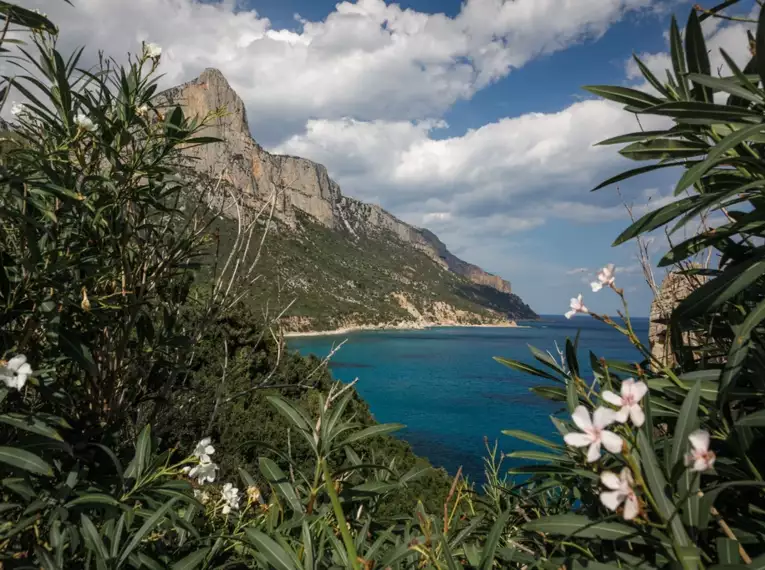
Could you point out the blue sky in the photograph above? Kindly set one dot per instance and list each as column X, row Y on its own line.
column 464, row 117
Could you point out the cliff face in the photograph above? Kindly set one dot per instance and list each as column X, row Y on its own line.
column 299, row 184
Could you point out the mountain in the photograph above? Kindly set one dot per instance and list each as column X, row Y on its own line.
column 346, row 262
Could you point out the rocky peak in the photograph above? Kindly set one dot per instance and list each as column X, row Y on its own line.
column 295, row 183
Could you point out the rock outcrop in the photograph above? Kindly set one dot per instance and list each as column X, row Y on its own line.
column 296, row 183
column 673, row 290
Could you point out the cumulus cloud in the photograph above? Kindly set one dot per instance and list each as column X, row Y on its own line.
column 366, row 59
column 531, row 166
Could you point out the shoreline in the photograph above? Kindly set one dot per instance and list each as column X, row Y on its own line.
column 400, row 327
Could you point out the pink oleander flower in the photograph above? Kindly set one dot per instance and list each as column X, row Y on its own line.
column 605, row 278
column 577, row 306
column 593, row 432
column 700, row 458
column 621, row 491
column 629, row 401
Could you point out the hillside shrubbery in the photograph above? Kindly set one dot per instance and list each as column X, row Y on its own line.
column 149, row 422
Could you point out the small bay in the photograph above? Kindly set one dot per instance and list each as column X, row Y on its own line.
column 444, row 385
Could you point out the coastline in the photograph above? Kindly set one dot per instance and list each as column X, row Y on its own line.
column 399, row 327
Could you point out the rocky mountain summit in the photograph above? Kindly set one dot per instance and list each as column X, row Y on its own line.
column 308, row 203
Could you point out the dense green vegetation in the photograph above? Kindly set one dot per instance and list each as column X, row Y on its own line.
column 333, row 280
column 149, row 421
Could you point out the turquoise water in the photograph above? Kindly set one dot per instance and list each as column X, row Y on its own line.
column 443, row 384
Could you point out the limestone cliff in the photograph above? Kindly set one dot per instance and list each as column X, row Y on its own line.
column 299, row 185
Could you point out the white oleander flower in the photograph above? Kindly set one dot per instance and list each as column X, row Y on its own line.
column 593, row 432
column 15, row 372
column 152, row 50
column 700, row 458
column 202, row 496
column 629, row 401
column 621, row 491
column 605, row 278
column 204, row 450
column 203, row 473
column 577, row 306
column 143, row 109
column 84, row 122
column 230, row 495
column 18, row 109
column 254, row 495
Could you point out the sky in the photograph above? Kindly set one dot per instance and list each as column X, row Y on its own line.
column 466, row 117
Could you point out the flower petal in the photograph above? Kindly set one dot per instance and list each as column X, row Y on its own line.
column 25, row 369
column 593, row 453
column 581, row 418
column 596, row 286
column 622, row 415
column 577, row 439
column 699, row 440
column 611, row 441
column 16, row 362
column 610, row 480
column 631, row 507
column 603, row 417
column 637, row 415
column 626, row 477
column 639, row 390
column 611, row 499
column 700, row 464
column 569, row 314
column 611, row 398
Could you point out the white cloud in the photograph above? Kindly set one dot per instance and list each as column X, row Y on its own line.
column 368, row 60
column 507, row 176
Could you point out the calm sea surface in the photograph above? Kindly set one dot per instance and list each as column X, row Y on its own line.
column 443, row 384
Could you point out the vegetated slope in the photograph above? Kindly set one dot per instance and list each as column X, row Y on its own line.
column 344, row 262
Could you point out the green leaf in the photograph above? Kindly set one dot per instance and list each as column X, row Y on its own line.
column 697, row 56
column 726, row 85
column 727, row 550
column 372, row 431
column 656, row 218
column 649, row 76
column 583, row 527
column 492, row 540
column 531, row 438
column 30, row 424
column 276, row 477
column 536, row 456
column 663, row 149
column 637, row 171
column 94, row 499
column 755, row 419
column 147, row 527
column 739, row 348
column 415, row 473
column 191, row 561
column 77, row 350
column 625, row 95
column 295, row 416
column 25, row 460
column 678, row 57
column 526, row 368
column 760, row 46
column 247, row 479
column 93, row 539
column 687, row 421
column 142, row 454
column 692, row 112
column 271, row 551
column 717, row 291
column 659, row 488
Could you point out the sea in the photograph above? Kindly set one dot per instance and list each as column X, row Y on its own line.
column 453, row 397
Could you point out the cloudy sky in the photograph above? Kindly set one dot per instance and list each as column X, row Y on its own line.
column 463, row 116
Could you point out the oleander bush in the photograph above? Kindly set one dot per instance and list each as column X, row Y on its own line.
column 149, row 422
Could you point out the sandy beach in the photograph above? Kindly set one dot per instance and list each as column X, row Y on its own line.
column 398, row 327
